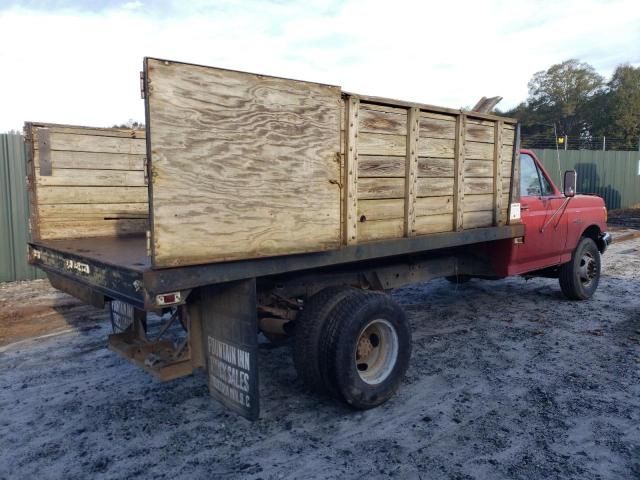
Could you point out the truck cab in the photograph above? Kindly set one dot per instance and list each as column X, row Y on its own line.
column 564, row 232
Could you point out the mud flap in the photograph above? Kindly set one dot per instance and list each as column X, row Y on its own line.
column 230, row 336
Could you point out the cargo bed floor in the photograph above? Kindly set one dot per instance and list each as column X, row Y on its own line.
column 127, row 252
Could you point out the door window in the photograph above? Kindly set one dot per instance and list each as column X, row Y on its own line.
column 529, row 178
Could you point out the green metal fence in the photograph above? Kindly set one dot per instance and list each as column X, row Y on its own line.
column 614, row 175
column 14, row 214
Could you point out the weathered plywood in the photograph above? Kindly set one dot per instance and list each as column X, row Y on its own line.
column 382, row 144
column 100, row 211
column 478, row 168
column 435, row 187
column 439, row 127
column 478, row 202
column 93, row 131
column 387, row 121
column 434, row 205
column 382, row 209
column 436, row 147
column 480, row 131
column 478, row 151
column 478, row 185
column 244, row 165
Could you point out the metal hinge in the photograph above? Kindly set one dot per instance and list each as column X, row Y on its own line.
column 142, row 85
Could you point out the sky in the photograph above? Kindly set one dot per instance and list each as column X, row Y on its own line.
column 78, row 62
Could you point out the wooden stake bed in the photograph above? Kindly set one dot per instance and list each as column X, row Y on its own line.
column 238, row 166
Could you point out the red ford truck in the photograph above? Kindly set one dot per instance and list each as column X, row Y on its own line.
column 254, row 206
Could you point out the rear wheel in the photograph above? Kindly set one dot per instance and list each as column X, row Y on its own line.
column 580, row 276
column 366, row 349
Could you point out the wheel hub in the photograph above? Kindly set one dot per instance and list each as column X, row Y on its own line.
column 376, row 351
column 588, row 269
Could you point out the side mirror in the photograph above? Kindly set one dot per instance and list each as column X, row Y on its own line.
column 570, row 183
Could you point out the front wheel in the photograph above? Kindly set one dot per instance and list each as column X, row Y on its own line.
column 580, row 276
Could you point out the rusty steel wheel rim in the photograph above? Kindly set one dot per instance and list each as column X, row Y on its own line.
column 587, row 270
column 376, row 351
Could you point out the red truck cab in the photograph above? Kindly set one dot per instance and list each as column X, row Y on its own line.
column 565, row 233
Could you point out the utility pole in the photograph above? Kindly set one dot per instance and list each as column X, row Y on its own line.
column 566, row 141
column 604, row 143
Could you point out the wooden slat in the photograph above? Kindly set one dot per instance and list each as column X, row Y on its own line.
column 478, row 150
column 386, row 122
column 508, row 135
column 497, row 186
column 506, row 184
column 369, row 188
column 434, row 205
column 478, row 185
column 244, row 165
column 478, row 202
column 435, row 167
column 478, row 168
column 410, row 188
column 478, row 219
column 95, row 131
column 434, row 223
column 506, row 167
column 435, row 187
column 105, row 178
column 351, row 168
column 480, row 132
column 436, row 147
column 380, row 144
column 383, row 209
column 380, row 229
column 438, row 127
column 380, row 166
column 59, row 195
column 458, row 186
column 96, row 211
column 91, row 228
column 94, row 160
column 90, row 143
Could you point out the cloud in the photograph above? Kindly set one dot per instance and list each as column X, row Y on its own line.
column 78, row 62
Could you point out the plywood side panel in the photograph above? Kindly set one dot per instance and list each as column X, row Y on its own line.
column 478, row 219
column 380, row 229
column 100, row 211
column 480, row 132
column 380, row 166
column 93, row 131
column 435, row 167
column 437, row 127
column 383, row 209
column 390, row 121
column 478, row 185
column 478, row 168
column 436, row 147
column 435, row 187
column 434, row 205
column 382, row 144
column 478, row 202
column 370, row 188
column 243, row 165
column 478, row 151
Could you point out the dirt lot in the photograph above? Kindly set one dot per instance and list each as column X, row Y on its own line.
column 508, row 380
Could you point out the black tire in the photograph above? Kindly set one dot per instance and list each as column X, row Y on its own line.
column 347, row 325
column 580, row 276
column 458, row 279
column 309, row 329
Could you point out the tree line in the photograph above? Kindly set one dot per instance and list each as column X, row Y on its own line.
column 572, row 99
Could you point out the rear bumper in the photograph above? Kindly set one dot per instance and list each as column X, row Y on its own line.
column 604, row 241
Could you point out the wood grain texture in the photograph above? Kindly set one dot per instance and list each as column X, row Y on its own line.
column 382, row 144
column 383, row 209
column 436, row 147
column 243, row 165
column 478, row 202
column 372, row 188
column 434, row 205
column 497, row 172
column 478, row 219
column 352, row 159
column 380, row 229
column 94, row 160
column 435, row 187
column 439, row 127
column 434, row 224
column 458, row 187
column 478, row 185
column 84, row 177
column 54, row 229
column 508, row 135
column 84, row 211
column 480, row 131
column 411, row 169
column 94, row 131
column 478, row 151
column 95, row 143
column 478, row 168
column 61, row 195
column 388, row 121
column 435, row 167
column 380, row 166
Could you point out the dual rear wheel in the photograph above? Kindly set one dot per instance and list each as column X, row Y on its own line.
column 352, row 344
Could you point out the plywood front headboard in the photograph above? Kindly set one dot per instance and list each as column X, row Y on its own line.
column 86, row 182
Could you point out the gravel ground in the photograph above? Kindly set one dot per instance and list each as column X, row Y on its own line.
column 507, row 380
